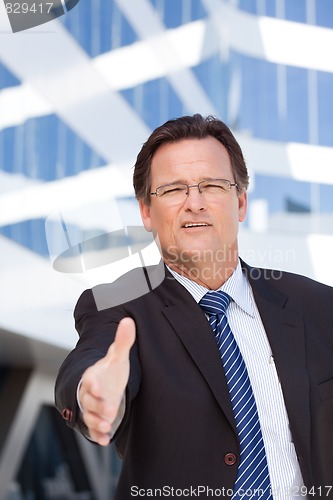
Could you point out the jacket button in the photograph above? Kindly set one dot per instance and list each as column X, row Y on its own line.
column 230, row 459
column 67, row 414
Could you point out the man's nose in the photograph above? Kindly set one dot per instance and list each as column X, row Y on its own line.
column 195, row 201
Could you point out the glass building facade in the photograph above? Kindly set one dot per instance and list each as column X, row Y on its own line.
column 79, row 95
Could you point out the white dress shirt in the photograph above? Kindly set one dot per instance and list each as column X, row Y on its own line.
column 249, row 332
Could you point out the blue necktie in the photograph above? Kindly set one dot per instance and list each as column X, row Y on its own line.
column 252, row 480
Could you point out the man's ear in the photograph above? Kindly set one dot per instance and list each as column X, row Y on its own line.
column 145, row 215
column 242, row 206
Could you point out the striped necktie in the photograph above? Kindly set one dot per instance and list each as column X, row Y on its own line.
column 252, row 480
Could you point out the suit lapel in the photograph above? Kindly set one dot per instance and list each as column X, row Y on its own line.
column 283, row 322
column 190, row 324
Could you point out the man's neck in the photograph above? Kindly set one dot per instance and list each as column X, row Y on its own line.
column 211, row 277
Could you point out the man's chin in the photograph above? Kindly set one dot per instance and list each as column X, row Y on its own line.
column 198, row 256
column 190, row 256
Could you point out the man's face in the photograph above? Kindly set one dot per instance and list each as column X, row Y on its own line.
column 191, row 161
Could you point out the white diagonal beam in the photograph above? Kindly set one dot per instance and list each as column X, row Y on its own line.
column 303, row 46
column 49, row 59
column 145, row 21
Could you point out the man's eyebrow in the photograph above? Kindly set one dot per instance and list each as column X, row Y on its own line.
column 183, row 181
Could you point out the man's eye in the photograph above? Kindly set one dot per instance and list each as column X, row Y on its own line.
column 212, row 186
column 215, row 187
column 175, row 189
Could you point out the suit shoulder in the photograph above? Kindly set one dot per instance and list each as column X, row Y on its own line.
column 303, row 284
column 291, row 284
column 134, row 285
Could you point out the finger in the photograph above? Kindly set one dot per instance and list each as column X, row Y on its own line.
column 91, row 403
column 101, row 438
column 90, row 385
column 96, row 423
column 124, row 340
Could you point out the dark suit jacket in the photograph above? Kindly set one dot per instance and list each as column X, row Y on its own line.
column 178, row 429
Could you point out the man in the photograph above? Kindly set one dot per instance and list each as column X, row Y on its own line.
column 163, row 389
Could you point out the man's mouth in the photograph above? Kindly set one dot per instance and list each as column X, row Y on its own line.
column 195, row 224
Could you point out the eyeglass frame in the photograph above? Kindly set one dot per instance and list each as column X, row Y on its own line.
column 231, row 184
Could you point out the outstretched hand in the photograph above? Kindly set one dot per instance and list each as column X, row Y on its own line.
column 104, row 383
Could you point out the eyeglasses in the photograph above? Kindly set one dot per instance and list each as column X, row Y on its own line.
column 210, row 188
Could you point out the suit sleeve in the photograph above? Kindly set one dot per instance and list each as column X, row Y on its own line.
column 96, row 331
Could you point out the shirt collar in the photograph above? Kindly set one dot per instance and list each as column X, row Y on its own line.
column 237, row 286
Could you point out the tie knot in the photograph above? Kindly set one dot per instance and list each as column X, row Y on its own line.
column 215, row 302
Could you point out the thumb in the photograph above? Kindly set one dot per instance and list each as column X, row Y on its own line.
column 125, row 337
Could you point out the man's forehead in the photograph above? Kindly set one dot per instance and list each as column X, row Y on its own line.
column 188, row 153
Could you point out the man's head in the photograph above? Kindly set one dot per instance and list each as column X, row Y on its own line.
column 190, row 179
column 187, row 127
